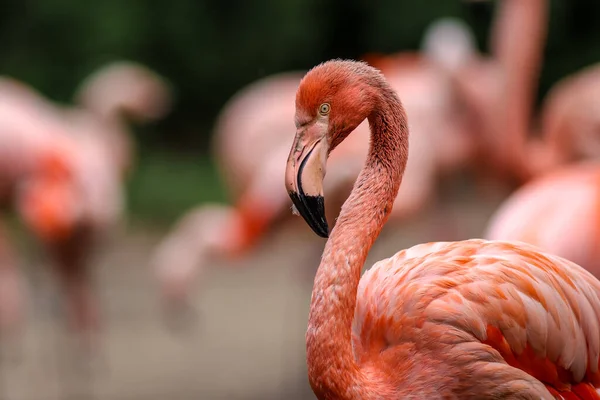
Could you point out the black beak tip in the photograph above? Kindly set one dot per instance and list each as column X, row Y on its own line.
column 323, row 231
column 312, row 209
column 324, row 235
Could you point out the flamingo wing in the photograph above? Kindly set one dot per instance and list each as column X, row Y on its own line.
column 500, row 303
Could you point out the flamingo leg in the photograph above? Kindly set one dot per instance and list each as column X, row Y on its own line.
column 12, row 310
column 11, row 296
column 70, row 267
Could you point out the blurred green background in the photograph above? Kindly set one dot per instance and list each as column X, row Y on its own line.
column 209, row 49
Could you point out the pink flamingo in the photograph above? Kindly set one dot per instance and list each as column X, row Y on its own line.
column 564, row 195
column 499, row 90
column 64, row 186
column 558, row 212
column 470, row 319
column 569, row 125
column 34, row 169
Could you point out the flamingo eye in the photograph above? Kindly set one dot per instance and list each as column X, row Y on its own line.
column 324, row 109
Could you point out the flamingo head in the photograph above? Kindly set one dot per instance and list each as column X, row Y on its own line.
column 332, row 100
column 127, row 89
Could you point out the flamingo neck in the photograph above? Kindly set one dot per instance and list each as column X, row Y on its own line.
column 333, row 370
column 518, row 43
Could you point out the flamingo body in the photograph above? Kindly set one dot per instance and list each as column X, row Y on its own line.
column 558, row 213
column 491, row 311
column 61, row 176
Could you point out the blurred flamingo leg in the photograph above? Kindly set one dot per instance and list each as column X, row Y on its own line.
column 12, row 305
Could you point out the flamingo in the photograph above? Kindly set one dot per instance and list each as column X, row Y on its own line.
column 100, row 203
column 36, row 180
column 558, row 164
column 468, row 319
column 499, row 90
column 63, row 184
column 563, row 197
column 557, row 212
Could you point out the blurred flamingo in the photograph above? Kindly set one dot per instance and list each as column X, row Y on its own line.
column 62, row 181
column 250, row 148
column 28, row 156
column 74, row 207
column 469, row 319
column 499, row 90
column 562, row 198
column 558, row 212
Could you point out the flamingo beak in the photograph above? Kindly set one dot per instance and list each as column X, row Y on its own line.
column 305, row 173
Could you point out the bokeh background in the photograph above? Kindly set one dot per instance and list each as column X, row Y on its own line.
column 247, row 342
column 210, row 49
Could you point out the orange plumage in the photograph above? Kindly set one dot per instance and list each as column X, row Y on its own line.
column 472, row 319
column 506, row 303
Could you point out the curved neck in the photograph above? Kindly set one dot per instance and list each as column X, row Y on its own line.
column 333, row 371
column 517, row 44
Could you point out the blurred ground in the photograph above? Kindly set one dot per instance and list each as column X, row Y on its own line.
column 249, row 339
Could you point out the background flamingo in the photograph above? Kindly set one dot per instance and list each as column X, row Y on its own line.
column 558, row 212
column 499, row 90
column 540, row 212
column 470, row 319
column 35, row 169
column 63, row 183
column 564, row 196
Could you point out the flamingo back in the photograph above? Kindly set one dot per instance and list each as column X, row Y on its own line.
column 493, row 317
column 559, row 213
